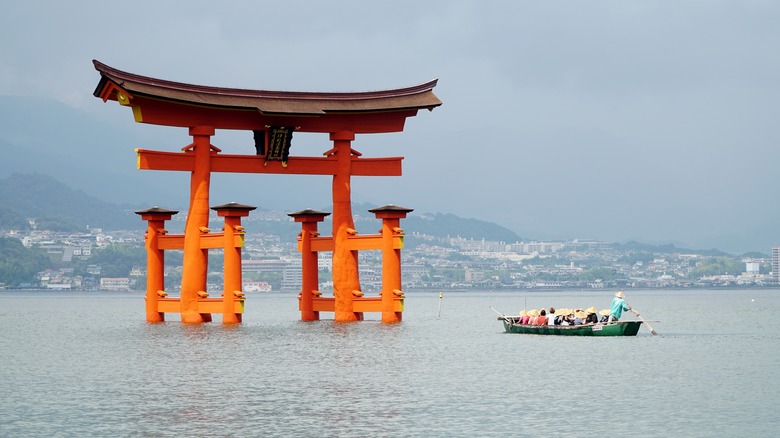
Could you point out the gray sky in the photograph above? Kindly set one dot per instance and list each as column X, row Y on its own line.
column 615, row 120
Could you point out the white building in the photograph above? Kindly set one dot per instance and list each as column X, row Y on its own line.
column 256, row 286
column 107, row 283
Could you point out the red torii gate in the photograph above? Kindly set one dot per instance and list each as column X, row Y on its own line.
column 270, row 114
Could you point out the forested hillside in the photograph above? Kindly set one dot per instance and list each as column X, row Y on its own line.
column 57, row 207
column 19, row 264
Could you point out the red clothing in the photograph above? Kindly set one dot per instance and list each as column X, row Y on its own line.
column 524, row 320
column 541, row 320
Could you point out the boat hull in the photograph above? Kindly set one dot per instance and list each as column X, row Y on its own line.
column 620, row 328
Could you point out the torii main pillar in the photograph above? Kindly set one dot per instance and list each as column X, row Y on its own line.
column 346, row 278
column 195, row 264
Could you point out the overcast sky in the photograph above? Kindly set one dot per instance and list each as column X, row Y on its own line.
column 614, row 120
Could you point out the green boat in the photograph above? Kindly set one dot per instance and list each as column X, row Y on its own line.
column 620, row 328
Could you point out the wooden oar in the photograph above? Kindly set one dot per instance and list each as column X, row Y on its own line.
column 506, row 318
column 644, row 321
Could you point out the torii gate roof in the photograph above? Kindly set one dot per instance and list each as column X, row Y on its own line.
column 163, row 102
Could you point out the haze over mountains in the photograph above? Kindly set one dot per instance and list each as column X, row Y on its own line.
column 96, row 156
column 60, row 162
column 24, row 196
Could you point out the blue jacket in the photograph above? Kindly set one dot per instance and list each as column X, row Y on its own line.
column 618, row 306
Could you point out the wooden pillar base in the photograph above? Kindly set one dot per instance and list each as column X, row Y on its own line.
column 390, row 317
column 231, row 318
column 310, row 316
column 193, row 318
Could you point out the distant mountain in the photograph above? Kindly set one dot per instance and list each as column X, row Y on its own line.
column 669, row 248
column 53, row 203
column 665, row 249
column 49, row 138
column 24, row 196
column 44, row 198
column 446, row 224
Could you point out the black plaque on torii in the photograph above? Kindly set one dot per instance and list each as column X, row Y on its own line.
column 274, row 143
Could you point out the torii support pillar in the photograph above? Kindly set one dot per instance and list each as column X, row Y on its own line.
column 155, row 259
column 234, row 241
column 309, row 261
column 391, row 258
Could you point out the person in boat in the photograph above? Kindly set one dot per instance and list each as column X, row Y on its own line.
column 591, row 317
column 618, row 306
column 579, row 317
column 542, row 318
column 569, row 318
column 551, row 316
column 532, row 314
column 604, row 315
column 558, row 317
column 524, row 316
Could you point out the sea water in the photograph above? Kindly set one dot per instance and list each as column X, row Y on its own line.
column 86, row 364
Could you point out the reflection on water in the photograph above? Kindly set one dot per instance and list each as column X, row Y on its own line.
column 87, row 364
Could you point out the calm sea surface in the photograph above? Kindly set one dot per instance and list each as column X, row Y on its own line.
column 86, row 364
